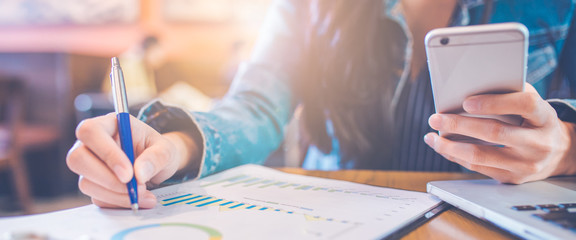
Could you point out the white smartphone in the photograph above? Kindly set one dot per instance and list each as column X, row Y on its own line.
column 473, row 60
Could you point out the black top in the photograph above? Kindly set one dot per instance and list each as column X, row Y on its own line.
column 416, row 105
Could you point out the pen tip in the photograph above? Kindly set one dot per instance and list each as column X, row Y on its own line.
column 135, row 208
column 115, row 61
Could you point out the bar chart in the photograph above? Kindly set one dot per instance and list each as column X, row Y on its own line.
column 197, row 200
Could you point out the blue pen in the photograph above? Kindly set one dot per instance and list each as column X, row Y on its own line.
column 124, row 130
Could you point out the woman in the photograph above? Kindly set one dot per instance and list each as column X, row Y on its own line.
column 358, row 71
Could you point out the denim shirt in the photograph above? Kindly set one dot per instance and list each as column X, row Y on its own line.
column 248, row 124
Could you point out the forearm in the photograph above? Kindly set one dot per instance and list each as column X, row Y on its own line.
column 248, row 124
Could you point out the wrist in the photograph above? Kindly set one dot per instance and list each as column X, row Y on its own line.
column 187, row 151
column 567, row 165
column 180, row 128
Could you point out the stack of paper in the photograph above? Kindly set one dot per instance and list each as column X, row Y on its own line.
column 247, row 202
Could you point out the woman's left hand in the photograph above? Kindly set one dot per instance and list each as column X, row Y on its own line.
column 539, row 148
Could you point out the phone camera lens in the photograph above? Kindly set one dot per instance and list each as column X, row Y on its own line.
column 444, row 41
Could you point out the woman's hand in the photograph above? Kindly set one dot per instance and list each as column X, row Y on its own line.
column 541, row 147
column 105, row 169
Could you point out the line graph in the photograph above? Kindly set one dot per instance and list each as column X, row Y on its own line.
column 249, row 181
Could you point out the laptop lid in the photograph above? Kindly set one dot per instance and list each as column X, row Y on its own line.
column 496, row 202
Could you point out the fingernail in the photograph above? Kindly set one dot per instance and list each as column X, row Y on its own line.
column 435, row 121
column 147, row 171
column 121, row 174
column 429, row 139
column 471, row 105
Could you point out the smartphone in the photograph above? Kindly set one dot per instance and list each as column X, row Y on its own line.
column 473, row 60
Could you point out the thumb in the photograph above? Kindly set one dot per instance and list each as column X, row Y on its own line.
column 156, row 162
column 153, row 153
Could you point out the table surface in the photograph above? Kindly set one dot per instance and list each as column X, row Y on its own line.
column 451, row 224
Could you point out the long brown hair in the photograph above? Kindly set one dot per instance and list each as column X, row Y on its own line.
column 350, row 79
column 346, row 81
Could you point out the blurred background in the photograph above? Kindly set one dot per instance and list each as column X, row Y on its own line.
column 54, row 66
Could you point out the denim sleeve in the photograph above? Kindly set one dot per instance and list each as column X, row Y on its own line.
column 247, row 125
column 565, row 108
column 565, row 105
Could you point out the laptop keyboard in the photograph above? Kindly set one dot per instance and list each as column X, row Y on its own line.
column 563, row 214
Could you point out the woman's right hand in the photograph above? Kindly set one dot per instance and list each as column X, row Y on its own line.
column 105, row 169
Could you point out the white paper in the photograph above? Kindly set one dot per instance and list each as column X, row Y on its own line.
column 247, row 202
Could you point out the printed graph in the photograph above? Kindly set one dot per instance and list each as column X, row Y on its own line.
column 247, row 202
column 212, row 233
column 198, row 200
column 249, row 181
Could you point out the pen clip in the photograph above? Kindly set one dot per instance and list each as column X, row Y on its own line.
column 118, row 87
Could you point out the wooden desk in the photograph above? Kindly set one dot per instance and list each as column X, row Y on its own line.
column 451, row 224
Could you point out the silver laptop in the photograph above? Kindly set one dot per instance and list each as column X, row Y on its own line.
column 537, row 210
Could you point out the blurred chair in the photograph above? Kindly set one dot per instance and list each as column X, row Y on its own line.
column 18, row 136
column 12, row 97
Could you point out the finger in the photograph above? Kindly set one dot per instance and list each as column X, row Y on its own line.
column 472, row 155
column 501, row 175
column 149, row 202
column 104, row 204
column 154, row 160
column 97, row 134
column 145, row 198
column 97, row 191
column 489, row 130
column 527, row 104
column 84, row 163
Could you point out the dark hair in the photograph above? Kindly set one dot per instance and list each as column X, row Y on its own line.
column 488, row 9
column 347, row 81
